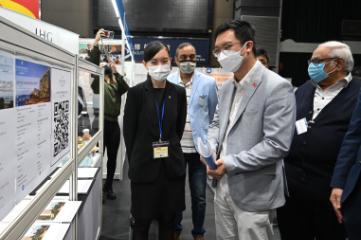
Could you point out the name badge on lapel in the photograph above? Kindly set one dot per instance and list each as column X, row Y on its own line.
column 301, row 126
column 201, row 100
column 160, row 149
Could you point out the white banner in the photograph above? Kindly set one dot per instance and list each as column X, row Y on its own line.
column 59, row 36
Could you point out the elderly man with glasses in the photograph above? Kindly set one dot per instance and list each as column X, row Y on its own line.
column 324, row 109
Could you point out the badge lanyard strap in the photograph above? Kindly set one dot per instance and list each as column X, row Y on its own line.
column 160, row 120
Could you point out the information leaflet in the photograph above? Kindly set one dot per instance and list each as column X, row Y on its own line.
column 33, row 125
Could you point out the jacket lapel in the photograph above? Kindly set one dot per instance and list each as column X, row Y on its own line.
column 194, row 86
column 253, row 85
column 150, row 100
column 225, row 108
column 170, row 98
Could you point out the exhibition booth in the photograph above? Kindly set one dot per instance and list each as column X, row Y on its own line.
column 51, row 132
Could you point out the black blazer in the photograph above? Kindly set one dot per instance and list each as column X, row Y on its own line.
column 141, row 129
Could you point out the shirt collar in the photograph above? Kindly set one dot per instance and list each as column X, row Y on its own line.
column 180, row 81
column 348, row 79
column 246, row 79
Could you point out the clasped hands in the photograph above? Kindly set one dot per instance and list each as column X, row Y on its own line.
column 221, row 168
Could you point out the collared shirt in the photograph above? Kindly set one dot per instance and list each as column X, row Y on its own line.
column 322, row 98
column 240, row 89
column 187, row 139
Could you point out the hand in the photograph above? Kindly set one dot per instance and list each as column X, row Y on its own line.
column 113, row 66
column 336, row 203
column 99, row 35
column 219, row 172
column 202, row 160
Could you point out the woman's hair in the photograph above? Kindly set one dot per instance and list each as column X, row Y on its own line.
column 112, row 80
column 152, row 49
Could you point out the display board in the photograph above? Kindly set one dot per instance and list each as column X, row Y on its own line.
column 34, row 124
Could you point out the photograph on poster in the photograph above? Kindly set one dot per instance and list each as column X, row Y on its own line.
column 51, row 211
column 6, row 82
column 36, row 232
column 32, row 83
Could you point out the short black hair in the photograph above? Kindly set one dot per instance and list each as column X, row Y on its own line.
column 182, row 45
column 152, row 49
column 262, row 52
column 243, row 31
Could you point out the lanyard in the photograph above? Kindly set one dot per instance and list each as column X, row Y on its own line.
column 160, row 120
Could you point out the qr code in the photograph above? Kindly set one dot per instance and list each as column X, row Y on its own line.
column 61, row 129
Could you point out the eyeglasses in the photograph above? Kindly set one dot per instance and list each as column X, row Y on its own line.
column 319, row 60
column 216, row 52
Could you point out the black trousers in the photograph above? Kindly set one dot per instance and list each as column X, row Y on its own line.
column 308, row 214
column 352, row 213
column 111, row 142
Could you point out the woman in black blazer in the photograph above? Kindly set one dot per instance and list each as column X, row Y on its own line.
column 154, row 119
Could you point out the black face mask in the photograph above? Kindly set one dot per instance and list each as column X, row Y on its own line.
column 107, row 69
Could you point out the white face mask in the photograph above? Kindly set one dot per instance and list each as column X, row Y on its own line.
column 159, row 72
column 231, row 60
column 187, row 67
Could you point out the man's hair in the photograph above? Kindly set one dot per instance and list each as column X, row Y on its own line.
column 243, row 31
column 339, row 49
column 181, row 46
column 262, row 52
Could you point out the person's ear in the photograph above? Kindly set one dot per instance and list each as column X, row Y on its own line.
column 176, row 60
column 340, row 62
column 249, row 46
column 145, row 65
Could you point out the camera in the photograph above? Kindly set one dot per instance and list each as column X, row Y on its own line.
column 109, row 34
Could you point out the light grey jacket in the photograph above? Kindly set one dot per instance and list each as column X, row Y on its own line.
column 258, row 140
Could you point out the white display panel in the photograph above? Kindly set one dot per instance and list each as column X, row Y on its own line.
column 34, row 124
column 7, row 133
column 7, row 168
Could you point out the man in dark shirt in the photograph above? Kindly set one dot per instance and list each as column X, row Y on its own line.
column 324, row 109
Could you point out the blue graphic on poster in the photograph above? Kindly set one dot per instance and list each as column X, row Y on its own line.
column 6, row 82
column 32, row 83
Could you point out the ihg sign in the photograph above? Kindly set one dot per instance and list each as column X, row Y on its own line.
column 44, row 34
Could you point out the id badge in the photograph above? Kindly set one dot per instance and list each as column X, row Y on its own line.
column 301, row 126
column 160, row 149
column 201, row 100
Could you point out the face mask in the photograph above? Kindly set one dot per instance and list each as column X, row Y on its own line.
column 159, row 72
column 107, row 69
column 231, row 60
column 316, row 72
column 187, row 67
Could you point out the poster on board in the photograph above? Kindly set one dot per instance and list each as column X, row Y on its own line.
column 33, row 124
column 61, row 96
column 6, row 81
column 7, row 134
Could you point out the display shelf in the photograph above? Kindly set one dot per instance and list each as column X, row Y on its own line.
column 84, row 187
column 87, row 173
column 48, row 231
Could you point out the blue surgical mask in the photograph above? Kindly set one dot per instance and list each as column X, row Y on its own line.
column 316, row 72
